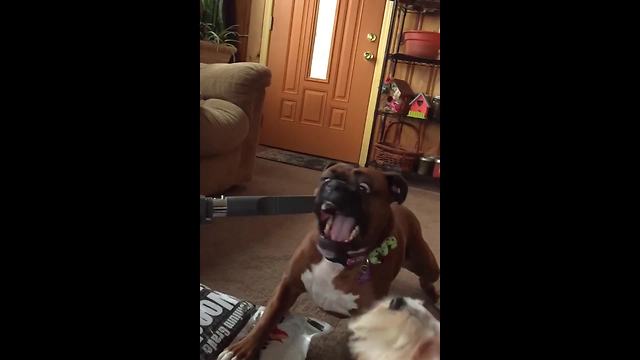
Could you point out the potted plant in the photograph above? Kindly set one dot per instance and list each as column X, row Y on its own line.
column 216, row 40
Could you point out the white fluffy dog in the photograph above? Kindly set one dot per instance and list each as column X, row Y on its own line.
column 396, row 328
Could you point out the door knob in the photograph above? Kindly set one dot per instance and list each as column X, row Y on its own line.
column 372, row 37
column 368, row 55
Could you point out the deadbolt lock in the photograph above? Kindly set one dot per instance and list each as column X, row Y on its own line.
column 372, row 37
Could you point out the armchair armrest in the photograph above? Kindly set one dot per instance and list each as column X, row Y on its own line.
column 238, row 83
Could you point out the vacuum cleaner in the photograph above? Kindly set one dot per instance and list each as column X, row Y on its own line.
column 211, row 207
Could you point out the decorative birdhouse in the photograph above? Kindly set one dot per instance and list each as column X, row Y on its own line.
column 398, row 93
column 419, row 107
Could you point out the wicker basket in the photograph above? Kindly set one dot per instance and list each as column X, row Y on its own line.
column 391, row 155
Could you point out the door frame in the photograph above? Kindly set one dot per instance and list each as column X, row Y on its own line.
column 375, row 81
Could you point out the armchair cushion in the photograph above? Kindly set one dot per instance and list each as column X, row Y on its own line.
column 223, row 127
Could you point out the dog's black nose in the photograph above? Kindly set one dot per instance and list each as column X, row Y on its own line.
column 397, row 303
column 328, row 206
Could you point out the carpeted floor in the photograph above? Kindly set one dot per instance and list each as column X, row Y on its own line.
column 245, row 257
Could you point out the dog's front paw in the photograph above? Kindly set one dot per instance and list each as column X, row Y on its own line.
column 245, row 349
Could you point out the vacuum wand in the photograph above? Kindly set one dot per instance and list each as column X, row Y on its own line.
column 253, row 206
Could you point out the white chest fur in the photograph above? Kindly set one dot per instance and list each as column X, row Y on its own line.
column 319, row 284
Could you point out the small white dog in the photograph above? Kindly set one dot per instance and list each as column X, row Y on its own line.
column 396, row 328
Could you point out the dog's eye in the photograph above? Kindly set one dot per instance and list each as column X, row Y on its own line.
column 325, row 178
column 364, row 188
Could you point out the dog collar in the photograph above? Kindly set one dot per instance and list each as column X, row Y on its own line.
column 375, row 257
column 340, row 253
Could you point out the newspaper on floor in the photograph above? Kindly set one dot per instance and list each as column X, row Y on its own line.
column 225, row 319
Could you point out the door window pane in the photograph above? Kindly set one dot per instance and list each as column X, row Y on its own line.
column 325, row 20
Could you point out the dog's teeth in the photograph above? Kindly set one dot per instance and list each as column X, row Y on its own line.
column 327, row 227
column 354, row 233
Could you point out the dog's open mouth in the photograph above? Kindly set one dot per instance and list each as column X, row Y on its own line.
column 336, row 226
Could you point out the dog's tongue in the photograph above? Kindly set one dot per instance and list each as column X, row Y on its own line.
column 342, row 227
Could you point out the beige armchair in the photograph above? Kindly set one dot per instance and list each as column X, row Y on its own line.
column 231, row 99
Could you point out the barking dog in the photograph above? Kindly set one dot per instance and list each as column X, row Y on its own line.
column 361, row 239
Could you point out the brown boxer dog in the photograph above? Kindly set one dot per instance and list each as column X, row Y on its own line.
column 347, row 262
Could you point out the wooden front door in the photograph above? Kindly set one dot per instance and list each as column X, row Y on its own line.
column 321, row 80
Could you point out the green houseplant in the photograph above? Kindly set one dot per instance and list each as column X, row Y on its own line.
column 216, row 40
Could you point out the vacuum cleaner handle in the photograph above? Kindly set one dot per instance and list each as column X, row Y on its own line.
column 254, row 206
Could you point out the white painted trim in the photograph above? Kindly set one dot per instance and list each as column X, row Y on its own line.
column 375, row 81
column 266, row 31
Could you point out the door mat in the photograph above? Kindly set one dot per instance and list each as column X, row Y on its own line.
column 294, row 158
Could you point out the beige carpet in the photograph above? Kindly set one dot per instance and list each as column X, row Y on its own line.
column 245, row 257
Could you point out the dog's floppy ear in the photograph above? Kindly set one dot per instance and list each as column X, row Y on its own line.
column 397, row 187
